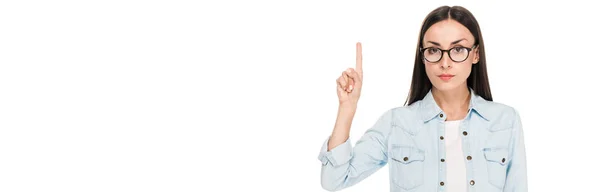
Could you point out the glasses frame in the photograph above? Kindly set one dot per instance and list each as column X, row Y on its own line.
column 423, row 49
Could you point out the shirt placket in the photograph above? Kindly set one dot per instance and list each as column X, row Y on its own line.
column 441, row 151
column 468, row 153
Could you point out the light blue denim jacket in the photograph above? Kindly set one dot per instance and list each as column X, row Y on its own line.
column 409, row 139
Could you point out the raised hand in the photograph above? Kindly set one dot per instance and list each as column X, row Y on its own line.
column 349, row 84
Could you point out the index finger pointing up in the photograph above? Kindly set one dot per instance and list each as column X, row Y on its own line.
column 359, row 57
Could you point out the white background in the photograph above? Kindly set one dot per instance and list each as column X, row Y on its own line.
column 240, row 96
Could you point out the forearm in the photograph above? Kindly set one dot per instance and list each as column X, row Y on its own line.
column 341, row 129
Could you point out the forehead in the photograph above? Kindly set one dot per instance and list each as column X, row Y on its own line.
column 447, row 31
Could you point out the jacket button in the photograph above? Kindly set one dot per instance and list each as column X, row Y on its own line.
column 465, row 133
column 503, row 159
column 441, row 115
column 405, row 158
column 472, row 182
column 441, row 137
column 469, row 158
column 442, row 183
column 442, row 160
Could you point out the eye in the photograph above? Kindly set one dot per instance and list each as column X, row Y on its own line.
column 432, row 51
column 459, row 50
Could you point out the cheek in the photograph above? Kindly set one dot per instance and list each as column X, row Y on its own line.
column 470, row 60
column 430, row 70
column 465, row 70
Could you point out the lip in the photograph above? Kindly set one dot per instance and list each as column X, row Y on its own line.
column 445, row 77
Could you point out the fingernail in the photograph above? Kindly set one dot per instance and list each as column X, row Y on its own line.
column 351, row 87
column 348, row 70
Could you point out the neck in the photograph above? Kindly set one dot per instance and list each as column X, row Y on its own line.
column 455, row 103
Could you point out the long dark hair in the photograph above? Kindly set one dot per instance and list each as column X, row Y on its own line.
column 477, row 80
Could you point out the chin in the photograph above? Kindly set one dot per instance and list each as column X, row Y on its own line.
column 446, row 86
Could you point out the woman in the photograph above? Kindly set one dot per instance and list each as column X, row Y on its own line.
column 449, row 136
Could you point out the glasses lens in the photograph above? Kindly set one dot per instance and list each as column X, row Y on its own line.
column 432, row 54
column 459, row 54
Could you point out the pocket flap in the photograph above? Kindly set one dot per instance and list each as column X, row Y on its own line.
column 407, row 154
column 498, row 155
column 499, row 127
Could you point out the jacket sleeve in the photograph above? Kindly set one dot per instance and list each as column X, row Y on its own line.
column 516, row 179
column 344, row 165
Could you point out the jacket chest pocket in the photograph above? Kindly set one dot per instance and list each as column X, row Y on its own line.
column 496, row 160
column 407, row 166
column 496, row 153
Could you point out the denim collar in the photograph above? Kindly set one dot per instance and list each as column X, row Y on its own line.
column 430, row 110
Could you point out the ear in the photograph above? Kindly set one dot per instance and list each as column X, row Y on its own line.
column 476, row 55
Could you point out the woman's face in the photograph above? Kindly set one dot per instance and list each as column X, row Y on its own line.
column 449, row 74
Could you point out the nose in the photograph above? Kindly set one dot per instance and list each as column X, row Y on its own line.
column 446, row 62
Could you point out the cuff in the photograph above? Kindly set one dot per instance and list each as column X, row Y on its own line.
column 339, row 155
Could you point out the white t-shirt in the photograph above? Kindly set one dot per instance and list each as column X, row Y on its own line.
column 456, row 174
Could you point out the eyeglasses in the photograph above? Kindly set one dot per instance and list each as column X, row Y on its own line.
column 456, row 54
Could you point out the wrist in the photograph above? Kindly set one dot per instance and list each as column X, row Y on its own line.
column 348, row 106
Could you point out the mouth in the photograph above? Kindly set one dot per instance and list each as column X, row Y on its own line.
column 445, row 77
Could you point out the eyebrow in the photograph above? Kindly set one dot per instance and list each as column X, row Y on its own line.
column 454, row 42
